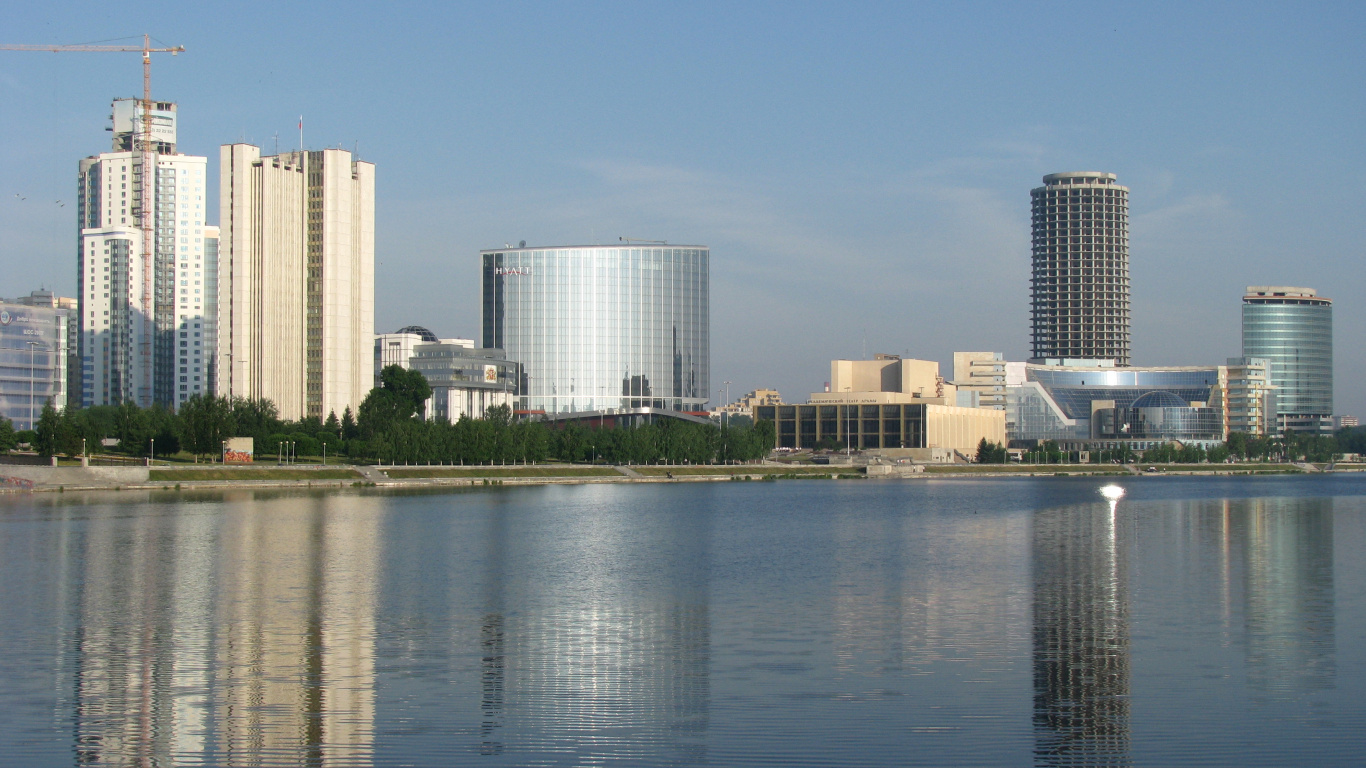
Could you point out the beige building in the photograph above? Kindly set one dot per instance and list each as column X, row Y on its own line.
column 1249, row 399
column 889, row 373
column 745, row 406
column 983, row 373
column 891, row 405
column 296, row 279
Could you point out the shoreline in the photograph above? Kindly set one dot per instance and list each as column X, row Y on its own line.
column 38, row 479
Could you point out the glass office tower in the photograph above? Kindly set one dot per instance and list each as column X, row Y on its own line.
column 598, row 327
column 1079, row 303
column 1293, row 329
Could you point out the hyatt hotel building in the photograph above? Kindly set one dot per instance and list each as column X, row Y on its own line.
column 601, row 327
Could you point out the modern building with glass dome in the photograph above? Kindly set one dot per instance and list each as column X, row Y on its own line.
column 602, row 328
column 1089, row 405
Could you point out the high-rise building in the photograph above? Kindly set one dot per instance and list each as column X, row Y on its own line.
column 137, row 309
column 296, row 279
column 1292, row 328
column 1079, row 303
column 598, row 327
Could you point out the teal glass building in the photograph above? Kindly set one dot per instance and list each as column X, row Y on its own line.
column 1293, row 329
column 602, row 327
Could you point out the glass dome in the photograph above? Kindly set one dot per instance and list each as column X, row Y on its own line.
column 1159, row 399
column 426, row 335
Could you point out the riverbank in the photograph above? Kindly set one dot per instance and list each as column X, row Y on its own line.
column 19, row 478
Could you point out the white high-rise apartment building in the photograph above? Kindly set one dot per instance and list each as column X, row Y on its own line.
column 296, row 279
column 127, row 323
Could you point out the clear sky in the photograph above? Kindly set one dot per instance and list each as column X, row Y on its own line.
column 861, row 171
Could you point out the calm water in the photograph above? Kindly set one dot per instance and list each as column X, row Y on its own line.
column 997, row 622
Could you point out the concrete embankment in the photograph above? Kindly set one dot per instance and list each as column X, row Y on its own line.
column 20, row 478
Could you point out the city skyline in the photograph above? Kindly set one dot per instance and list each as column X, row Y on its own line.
column 852, row 185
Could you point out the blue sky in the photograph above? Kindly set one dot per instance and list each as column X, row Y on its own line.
column 861, row 171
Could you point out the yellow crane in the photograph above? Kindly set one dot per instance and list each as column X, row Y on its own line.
column 149, row 168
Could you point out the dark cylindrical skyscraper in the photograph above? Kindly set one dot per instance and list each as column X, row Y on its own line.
column 1080, row 286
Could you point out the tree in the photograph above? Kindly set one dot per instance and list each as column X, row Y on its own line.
column 332, row 427
column 257, row 419
column 990, row 453
column 133, row 429
column 399, row 397
column 46, row 431
column 348, row 425
column 205, row 422
column 8, row 438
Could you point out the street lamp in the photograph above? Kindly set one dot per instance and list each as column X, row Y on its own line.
column 153, row 456
column 31, row 345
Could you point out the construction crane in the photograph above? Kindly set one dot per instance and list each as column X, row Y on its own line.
column 149, row 169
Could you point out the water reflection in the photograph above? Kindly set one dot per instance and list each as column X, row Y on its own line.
column 1081, row 638
column 855, row 624
column 236, row 639
column 1278, row 553
column 610, row 661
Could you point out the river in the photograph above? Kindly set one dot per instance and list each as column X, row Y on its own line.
column 1196, row 621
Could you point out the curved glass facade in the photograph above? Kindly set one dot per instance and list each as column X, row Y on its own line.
column 1200, row 425
column 1296, row 335
column 1151, row 405
column 598, row 327
column 1073, row 389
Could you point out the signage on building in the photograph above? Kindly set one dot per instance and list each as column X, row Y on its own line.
column 513, row 271
column 490, row 374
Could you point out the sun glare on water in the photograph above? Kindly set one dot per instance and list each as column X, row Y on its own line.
column 1112, row 492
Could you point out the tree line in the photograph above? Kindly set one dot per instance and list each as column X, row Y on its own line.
column 1294, row 446
column 387, row 427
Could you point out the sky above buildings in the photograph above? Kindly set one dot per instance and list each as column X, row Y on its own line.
column 861, row 171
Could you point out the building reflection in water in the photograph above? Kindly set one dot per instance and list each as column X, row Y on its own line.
column 609, row 658
column 1279, row 554
column 1081, row 638
column 242, row 638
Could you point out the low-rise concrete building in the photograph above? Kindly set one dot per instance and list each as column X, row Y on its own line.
column 894, row 406
column 33, row 360
column 465, row 380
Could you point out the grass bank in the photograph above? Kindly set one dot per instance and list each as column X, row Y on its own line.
column 431, row 473
column 1024, row 469
column 747, row 469
column 252, row 473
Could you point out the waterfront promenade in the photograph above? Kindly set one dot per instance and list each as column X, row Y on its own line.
column 21, row 478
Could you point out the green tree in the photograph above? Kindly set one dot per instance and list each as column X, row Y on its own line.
column 332, row 427
column 8, row 437
column 47, row 431
column 205, row 422
column 348, row 424
column 133, row 428
column 257, row 419
column 399, row 396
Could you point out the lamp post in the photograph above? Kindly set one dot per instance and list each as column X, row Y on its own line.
column 152, row 457
column 31, row 345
